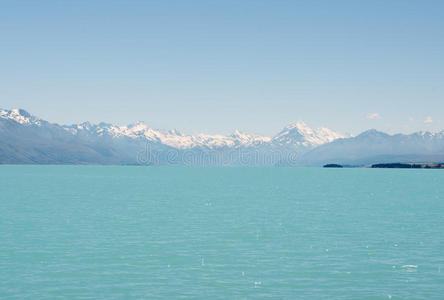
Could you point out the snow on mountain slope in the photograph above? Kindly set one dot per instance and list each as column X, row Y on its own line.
column 20, row 116
column 175, row 139
column 296, row 135
column 299, row 134
column 172, row 138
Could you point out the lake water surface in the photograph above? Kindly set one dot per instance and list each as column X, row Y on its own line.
column 93, row 232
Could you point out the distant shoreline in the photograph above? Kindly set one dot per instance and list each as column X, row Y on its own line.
column 393, row 166
column 410, row 166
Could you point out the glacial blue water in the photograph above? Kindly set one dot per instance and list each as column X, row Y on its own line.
column 96, row 232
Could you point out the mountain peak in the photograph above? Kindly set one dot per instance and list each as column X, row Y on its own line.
column 372, row 132
column 139, row 125
column 20, row 116
column 175, row 132
column 20, row 112
column 238, row 134
column 301, row 125
column 300, row 134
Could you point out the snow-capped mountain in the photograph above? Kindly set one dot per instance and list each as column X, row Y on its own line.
column 172, row 138
column 299, row 134
column 25, row 138
column 20, row 116
column 29, row 139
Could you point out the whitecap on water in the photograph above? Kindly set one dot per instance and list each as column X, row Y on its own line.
column 409, row 266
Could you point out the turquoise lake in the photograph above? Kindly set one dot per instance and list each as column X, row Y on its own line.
column 96, row 232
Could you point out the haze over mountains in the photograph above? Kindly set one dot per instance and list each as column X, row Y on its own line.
column 26, row 139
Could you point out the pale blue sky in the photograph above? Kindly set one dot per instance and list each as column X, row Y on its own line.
column 214, row 66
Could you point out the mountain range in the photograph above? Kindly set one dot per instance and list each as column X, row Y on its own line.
column 27, row 139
